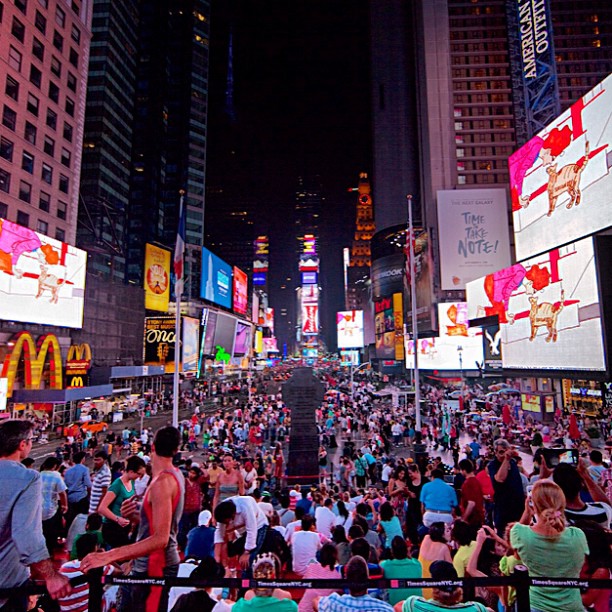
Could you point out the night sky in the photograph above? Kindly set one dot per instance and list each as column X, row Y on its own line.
column 302, row 107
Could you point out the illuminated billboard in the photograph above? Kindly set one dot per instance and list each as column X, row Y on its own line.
column 160, row 342
column 548, row 310
column 241, row 291
column 309, row 278
column 191, row 341
column 349, row 324
column 157, row 278
column 384, row 323
column 216, row 280
column 474, row 240
column 225, row 333
column 310, row 319
column 242, row 343
column 560, row 179
column 42, row 280
column 310, row 294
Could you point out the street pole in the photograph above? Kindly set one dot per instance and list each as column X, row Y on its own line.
column 460, row 351
column 413, row 304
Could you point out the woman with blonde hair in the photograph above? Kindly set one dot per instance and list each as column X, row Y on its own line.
column 549, row 548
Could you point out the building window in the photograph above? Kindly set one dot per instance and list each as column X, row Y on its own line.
column 44, row 3
column 49, row 146
column 60, row 234
column 64, row 183
column 35, row 76
column 51, row 119
column 68, row 132
column 44, row 201
column 3, row 207
column 47, row 174
column 53, row 92
column 27, row 162
column 9, row 118
column 40, row 22
column 5, row 181
column 18, row 29
column 60, row 17
column 14, row 59
column 62, row 209
column 1, row 15
column 71, row 81
column 25, row 193
column 6, row 149
column 75, row 7
column 70, row 107
column 12, row 88
column 65, row 157
column 38, row 49
column 56, row 67
column 32, row 104
column 30, row 132
column 42, row 227
column 22, row 5
column 75, row 34
column 74, row 58
column 23, row 218
column 58, row 41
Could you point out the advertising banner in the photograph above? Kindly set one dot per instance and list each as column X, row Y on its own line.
column 473, row 229
column 530, row 403
column 160, row 342
column 606, row 395
column 269, row 319
column 309, row 278
column 350, row 329
column 191, row 341
column 548, row 309
column 42, row 280
column 349, row 357
column 424, row 283
column 491, row 342
column 310, row 294
column 242, row 343
column 216, row 281
column 269, row 345
column 225, row 334
column 560, row 179
column 398, row 320
column 310, row 319
column 157, row 278
column 387, row 275
column 241, row 291
column 384, row 324
column 208, row 340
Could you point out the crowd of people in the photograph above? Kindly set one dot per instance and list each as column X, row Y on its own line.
column 210, row 499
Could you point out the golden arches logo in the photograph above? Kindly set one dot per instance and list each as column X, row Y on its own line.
column 34, row 357
column 78, row 352
column 76, row 381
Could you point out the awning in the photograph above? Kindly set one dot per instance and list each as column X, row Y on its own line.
column 60, row 396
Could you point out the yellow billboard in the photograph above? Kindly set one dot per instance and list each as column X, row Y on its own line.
column 157, row 278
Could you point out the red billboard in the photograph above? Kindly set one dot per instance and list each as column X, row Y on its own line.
column 241, row 291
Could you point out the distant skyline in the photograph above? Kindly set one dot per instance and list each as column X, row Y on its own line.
column 301, row 96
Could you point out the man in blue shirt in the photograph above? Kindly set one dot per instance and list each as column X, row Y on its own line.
column 437, row 500
column 78, row 483
column 200, row 540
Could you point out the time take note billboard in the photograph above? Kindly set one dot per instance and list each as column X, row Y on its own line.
column 560, row 179
column 216, row 280
column 548, row 309
column 42, row 280
column 350, row 329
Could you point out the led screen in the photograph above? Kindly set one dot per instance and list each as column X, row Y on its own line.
column 208, row 347
column 309, row 278
column 42, row 280
column 548, row 309
column 560, row 179
column 310, row 294
column 310, row 319
column 350, row 329
column 243, row 339
column 216, row 280
column 191, row 340
column 259, row 278
column 225, row 333
column 241, row 291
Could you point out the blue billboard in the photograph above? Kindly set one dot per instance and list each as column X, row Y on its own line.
column 216, row 280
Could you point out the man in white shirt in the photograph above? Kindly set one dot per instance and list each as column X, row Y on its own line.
column 240, row 514
column 304, row 545
column 325, row 518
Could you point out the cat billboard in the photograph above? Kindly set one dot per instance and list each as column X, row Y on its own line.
column 474, row 239
column 560, row 179
column 42, row 280
column 548, row 310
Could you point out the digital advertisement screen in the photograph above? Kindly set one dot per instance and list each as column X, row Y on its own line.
column 474, row 239
column 225, row 334
column 208, row 346
column 241, row 291
column 310, row 319
column 310, row 294
column 242, row 343
column 259, row 278
column 384, row 324
column 216, row 280
column 349, row 357
column 560, row 179
column 269, row 345
column 309, row 278
column 160, row 342
column 42, row 280
column 191, row 342
column 349, row 324
column 157, row 278
column 548, row 309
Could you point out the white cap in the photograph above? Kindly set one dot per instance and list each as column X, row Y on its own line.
column 204, row 518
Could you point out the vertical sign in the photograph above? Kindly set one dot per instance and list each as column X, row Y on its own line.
column 157, row 278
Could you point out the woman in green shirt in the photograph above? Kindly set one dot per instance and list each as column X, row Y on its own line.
column 550, row 548
column 115, row 528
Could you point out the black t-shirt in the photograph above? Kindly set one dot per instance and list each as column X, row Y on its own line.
column 509, row 497
column 198, row 600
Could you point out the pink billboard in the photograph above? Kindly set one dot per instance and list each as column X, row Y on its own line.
column 240, row 291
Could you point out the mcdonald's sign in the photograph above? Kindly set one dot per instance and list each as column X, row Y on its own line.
column 75, row 381
column 34, row 358
column 78, row 360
